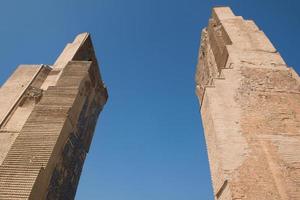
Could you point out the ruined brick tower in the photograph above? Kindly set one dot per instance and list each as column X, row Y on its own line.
column 47, row 119
column 250, row 107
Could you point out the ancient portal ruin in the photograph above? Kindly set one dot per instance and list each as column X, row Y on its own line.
column 250, row 108
column 47, row 119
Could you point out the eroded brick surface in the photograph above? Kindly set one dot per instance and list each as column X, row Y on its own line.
column 250, row 107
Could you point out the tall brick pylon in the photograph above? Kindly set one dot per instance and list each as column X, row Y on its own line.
column 250, row 108
column 47, row 119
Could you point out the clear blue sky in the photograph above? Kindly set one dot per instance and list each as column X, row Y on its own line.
column 149, row 142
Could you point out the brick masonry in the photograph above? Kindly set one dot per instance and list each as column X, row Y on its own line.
column 47, row 119
column 250, row 108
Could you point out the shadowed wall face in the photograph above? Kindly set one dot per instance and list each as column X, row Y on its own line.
column 250, row 107
column 47, row 120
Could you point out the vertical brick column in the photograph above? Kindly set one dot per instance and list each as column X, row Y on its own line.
column 59, row 108
column 250, row 108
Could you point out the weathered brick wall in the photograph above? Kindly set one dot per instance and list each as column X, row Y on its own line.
column 45, row 157
column 250, row 107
